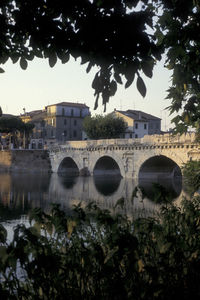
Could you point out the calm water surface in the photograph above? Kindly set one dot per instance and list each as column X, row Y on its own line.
column 19, row 193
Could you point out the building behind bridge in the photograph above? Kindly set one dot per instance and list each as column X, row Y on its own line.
column 58, row 122
column 139, row 123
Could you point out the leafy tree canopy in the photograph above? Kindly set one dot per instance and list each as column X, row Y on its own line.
column 11, row 124
column 104, row 127
column 124, row 38
column 191, row 175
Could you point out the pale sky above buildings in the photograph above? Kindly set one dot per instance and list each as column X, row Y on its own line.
column 41, row 85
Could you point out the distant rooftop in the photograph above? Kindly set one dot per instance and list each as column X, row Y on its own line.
column 31, row 113
column 138, row 115
column 69, row 104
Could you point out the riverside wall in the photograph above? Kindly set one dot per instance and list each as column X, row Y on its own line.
column 25, row 161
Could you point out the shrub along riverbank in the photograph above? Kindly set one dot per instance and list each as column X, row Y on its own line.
column 95, row 255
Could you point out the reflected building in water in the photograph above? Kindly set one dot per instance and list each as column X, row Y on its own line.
column 19, row 193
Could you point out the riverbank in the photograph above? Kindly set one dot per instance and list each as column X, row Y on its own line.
column 25, row 161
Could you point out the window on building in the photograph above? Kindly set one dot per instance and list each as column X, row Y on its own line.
column 65, row 121
column 136, row 125
column 145, row 126
column 63, row 111
column 75, row 122
column 80, row 112
column 53, row 122
column 74, row 133
column 157, row 125
column 65, row 132
column 136, row 136
column 131, row 135
column 52, row 133
column 72, row 112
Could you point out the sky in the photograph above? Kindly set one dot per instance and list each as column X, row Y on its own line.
column 40, row 85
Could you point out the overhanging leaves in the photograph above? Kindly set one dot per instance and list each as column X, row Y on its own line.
column 111, row 35
column 141, row 86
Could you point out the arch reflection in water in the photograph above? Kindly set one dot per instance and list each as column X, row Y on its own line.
column 22, row 192
column 67, row 181
column 107, row 185
column 172, row 186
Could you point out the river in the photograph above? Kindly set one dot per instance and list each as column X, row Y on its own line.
column 21, row 192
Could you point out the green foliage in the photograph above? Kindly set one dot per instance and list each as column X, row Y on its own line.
column 122, row 41
column 97, row 32
column 12, row 124
column 178, row 32
column 160, row 194
column 94, row 255
column 191, row 175
column 104, row 127
column 28, row 127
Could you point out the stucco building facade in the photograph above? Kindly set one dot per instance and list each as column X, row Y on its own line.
column 139, row 123
column 58, row 122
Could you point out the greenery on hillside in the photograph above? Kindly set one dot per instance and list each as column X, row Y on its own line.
column 95, row 255
column 104, row 127
column 123, row 38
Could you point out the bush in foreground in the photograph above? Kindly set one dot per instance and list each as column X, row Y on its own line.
column 95, row 255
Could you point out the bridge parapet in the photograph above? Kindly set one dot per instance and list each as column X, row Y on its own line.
column 148, row 141
column 169, row 138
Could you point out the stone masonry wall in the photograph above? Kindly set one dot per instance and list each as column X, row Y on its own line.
column 25, row 161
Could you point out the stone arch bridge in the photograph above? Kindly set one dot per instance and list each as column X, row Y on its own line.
column 158, row 154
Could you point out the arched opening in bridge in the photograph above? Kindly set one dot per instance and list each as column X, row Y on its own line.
column 106, row 166
column 68, row 167
column 163, row 171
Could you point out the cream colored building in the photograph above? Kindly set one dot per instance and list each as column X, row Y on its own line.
column 58, row 122
column 139, row 123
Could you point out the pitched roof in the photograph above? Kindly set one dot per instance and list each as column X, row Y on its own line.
column 69, row 104
column 138, row 115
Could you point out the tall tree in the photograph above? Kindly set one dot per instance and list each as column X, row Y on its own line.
column 104, row 127
column 123, row 38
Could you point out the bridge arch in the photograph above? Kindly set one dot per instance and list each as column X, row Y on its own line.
column 107, row 165
column 159, row 166
column 68, row 167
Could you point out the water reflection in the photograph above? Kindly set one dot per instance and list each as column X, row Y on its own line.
column 21, row 192
column 67, row 181
column 171, row 186
column 107, row 185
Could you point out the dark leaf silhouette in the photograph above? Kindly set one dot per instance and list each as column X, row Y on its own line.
column 141, row 86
